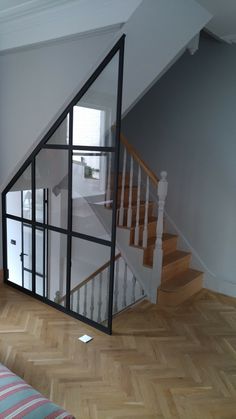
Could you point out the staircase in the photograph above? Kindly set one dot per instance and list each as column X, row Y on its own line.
column 162, row 271
column 141, row 214
column 90, row 298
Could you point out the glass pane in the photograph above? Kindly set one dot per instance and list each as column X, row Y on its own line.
column 90, row 273
column 39, row 285
column 27, row 247
column 92, row 193
column 95, row 113
column 52, row 174
column 40, row 207
column 39, row 251
column 57, row 251
column 14, row 250
column 27, row 280
column 61, row 135
column 19, row 198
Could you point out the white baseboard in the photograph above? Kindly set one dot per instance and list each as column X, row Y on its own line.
column 219, row 285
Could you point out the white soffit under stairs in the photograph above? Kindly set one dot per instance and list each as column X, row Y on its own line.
column 223, row 22
column 28, row 22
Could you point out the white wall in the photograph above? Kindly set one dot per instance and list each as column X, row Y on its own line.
column 155, row 34
column 34, row 85
column 186, row 125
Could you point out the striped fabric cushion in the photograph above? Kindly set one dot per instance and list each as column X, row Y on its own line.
column 19, row 400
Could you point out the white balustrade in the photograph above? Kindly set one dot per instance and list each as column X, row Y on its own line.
column 72, row 302
column 137, row 228
column 129, row 218
column 133, row 288
column 116, row 285
column 124, row 303
column 145, row 229
column 108, row 193
column 158, row 251
column 121, row 209
column 92, row 298
column 85, row 300
column 78, row 301
column 100, row 298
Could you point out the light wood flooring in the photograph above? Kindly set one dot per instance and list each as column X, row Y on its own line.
column 159, row 363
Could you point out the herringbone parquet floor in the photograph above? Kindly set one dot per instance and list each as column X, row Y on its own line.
column 173, row 363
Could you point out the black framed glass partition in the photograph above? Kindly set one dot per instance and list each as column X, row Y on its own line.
column 59, row 211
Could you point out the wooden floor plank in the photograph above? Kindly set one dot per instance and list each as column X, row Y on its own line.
column 159, row 363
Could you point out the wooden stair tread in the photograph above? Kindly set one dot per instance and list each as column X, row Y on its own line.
column 174, row 256
column 181, row 280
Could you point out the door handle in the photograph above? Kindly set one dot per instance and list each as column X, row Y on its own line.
column 22, row 256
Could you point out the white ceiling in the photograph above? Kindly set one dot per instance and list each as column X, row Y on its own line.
column 28, row 22
column 13, row 9
column 223, row 23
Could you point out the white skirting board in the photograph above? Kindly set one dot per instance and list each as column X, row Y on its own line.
column 219, row 285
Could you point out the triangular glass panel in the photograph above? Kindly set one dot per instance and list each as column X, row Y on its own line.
column 19, row 198
column 61, row 135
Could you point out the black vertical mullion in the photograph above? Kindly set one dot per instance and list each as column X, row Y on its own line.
column 4, row 238
column 44, row 241
column 70, row 211
column 22, row 243
column 33, row 185
column 47, row 242
column 115, row 184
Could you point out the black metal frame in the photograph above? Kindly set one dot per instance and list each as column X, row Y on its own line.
column 118, row 48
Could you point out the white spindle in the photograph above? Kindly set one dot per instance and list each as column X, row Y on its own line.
column 121, row 210
column 92, row 299
column 158, row 253
column 100, row 298
column 133, row 288
column 145, row 230
column 107, row 296
column 108, row 194
column 116, row 285
column 129, row 218
column 136, row 235
column 125, row 286
column 78, row 301
column 141, row 289
column 72, row 301
column 85, row 300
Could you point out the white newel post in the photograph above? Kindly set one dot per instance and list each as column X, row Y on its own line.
column 158, row 252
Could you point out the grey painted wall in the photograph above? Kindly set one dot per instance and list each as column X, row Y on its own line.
column 186, row 124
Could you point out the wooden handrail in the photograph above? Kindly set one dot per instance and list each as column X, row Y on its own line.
column 97, row 272
column 140, row 161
